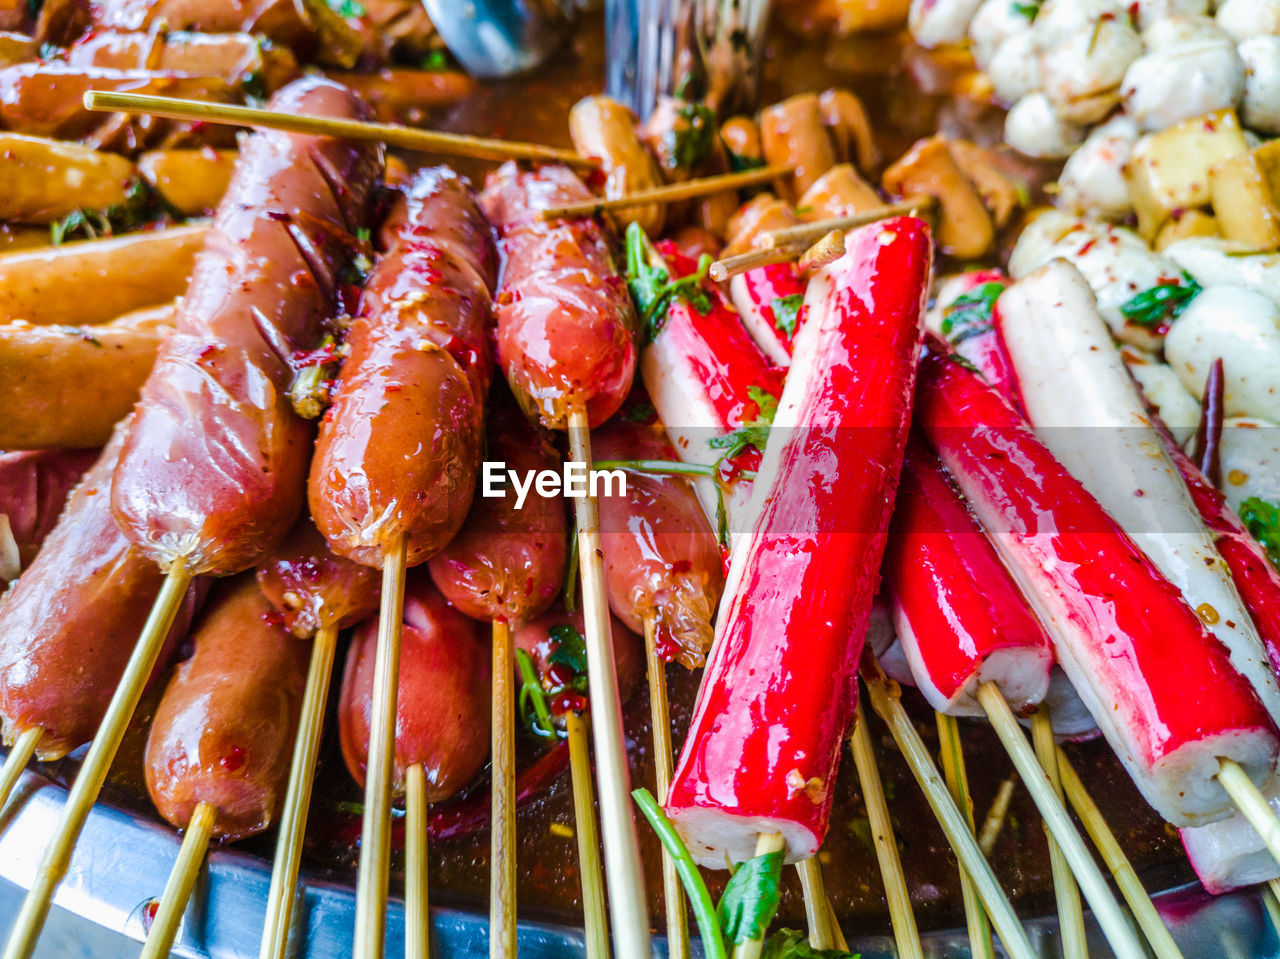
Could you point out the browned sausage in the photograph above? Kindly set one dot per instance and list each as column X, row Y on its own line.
column 223, row 733
column 838, row 192
column 661, row 557
column 847, row 122
column 760, row 214
column 68, row 626
column 400, row 446
column 442, row 709
column 404, row 95
column 33, row 491
column 240, row 59
column 566, row 326
column 191, row 181
column 741, row 137
column 507, row 563
column 605, row 129
column 283, row 21
column 213, row 472
column 792, row 134
column 313, row 588
column 46, row 179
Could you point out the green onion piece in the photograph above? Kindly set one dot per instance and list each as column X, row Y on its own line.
column 531, row 689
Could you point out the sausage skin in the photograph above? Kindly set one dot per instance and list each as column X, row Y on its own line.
column 213, row 471
column 224, row 730
column 311, row 587
column 34, row 486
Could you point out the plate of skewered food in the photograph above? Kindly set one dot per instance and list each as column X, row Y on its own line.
column 843, row 525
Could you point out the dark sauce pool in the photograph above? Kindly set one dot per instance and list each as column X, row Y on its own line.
column 889, row 77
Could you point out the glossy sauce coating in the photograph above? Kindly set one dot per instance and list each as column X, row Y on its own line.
column 979, row 342
column 68, row 625
column 213, row 471
column 508, row 563
column 442, row 711
column 280, row 20
column 566, row 326
column 769, row 299
column 311, row 587
column 224, row 730
column 399, row 448
column 34, row 485
column 661, row 557
column 765, row 738
column 231, row 56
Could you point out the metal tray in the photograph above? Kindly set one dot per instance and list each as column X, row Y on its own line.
column 123, row 859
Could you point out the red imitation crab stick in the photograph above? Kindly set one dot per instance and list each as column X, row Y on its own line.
column 765, row 739
column 1160, row 686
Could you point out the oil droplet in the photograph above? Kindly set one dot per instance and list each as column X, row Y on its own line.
column 1237, row 478
column 1208, row 615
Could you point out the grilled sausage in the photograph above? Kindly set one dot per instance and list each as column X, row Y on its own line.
column 47, row 179
column 238, row 58
column 213, row 471
column 442, row 710
column 605, row 129
column 191, row 181
column 33, row 490
column 223, row 733
column 399, row 448
column 313, row 588
column 566, row 327
column 794, row 135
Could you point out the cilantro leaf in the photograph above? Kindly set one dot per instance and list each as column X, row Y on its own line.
column 1262, row 519
column 688, row 142
column 738, row 162
column 1161, row 304
column 971, row 313
column 755, row 433
column 435, row 61
column 792, row 944
column 652, row 288
column 532, row 700
column 141, row 205
column 786, row 312
column 751, row 898
column 571, row 649
column 1026, row 8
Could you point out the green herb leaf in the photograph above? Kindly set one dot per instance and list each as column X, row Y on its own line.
column 571, row 649
column 435, row 61
column 533, row 701
column 970, row 314
column 755, row 433
column 347, row 9
column 786, row 312
column 639, row 413
column 1026, row 8
column 722, row 518
column 738, row 162
column 651, row 286
column 571, row 571
column 1161, row 304
column 141, row 205
column 751, row 898
column 1262, row 519
column 791, row 944
column 688, row 141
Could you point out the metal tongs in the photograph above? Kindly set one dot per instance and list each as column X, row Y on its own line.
column 501, row 38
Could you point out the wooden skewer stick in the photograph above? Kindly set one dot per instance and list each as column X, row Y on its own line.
column 980, row 946
column 627, row 907
column 20, row 753
column 177, row 891
column 502, row 836
column 375, row 841
column 1065, row 891
column 730, row 266
column 1115, row 926
column 828, row 249
column 806, row 233
column 993, row 822
column 297, row 797
column 901, row 916
column 1104, row 840
column 677, row 917
column 885, row 701
column 1252, row 803
column 594, row 920
column 392, row 134
column 417, row 927
column 817, row 909
column 670, row 193
column 766, row 843
column 93, row 772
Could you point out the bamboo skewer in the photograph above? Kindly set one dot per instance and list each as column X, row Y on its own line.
column 980, row 945
column 828, row 249
column 993, row 822
column 297, row 797
column 730, row 266
column 93, row 772
column 417, row 927
column 817, row 909
column 1144, row 911
column 1251, row 803
column 392, row 134
column 182, row 879
column 1065, row 891
column 20, row 753
column 807, row 233
column 627, row 908
column 670, row 193
column 905, row 933
column 375, row 842
column 677, row 917
column 885, row 701
column 502, row 836
column 766, row 843
column 595, row 923
column 1111, row 918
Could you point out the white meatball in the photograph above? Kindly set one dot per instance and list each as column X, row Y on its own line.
column 1249, row 455
column 1034, row 128
column 1260, row 109
column 994, row 23
column 1059, row 20
column 1015, row 70
column 1213, row 261
column 1242, row 19
column 1081, row 76
column 1175, row 31
column 1243, row 328
column 1160, row 385
column 1180, row 82
column 1092, row 181
column 1153, row 11
column 1035, row 243
column 937, row 22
